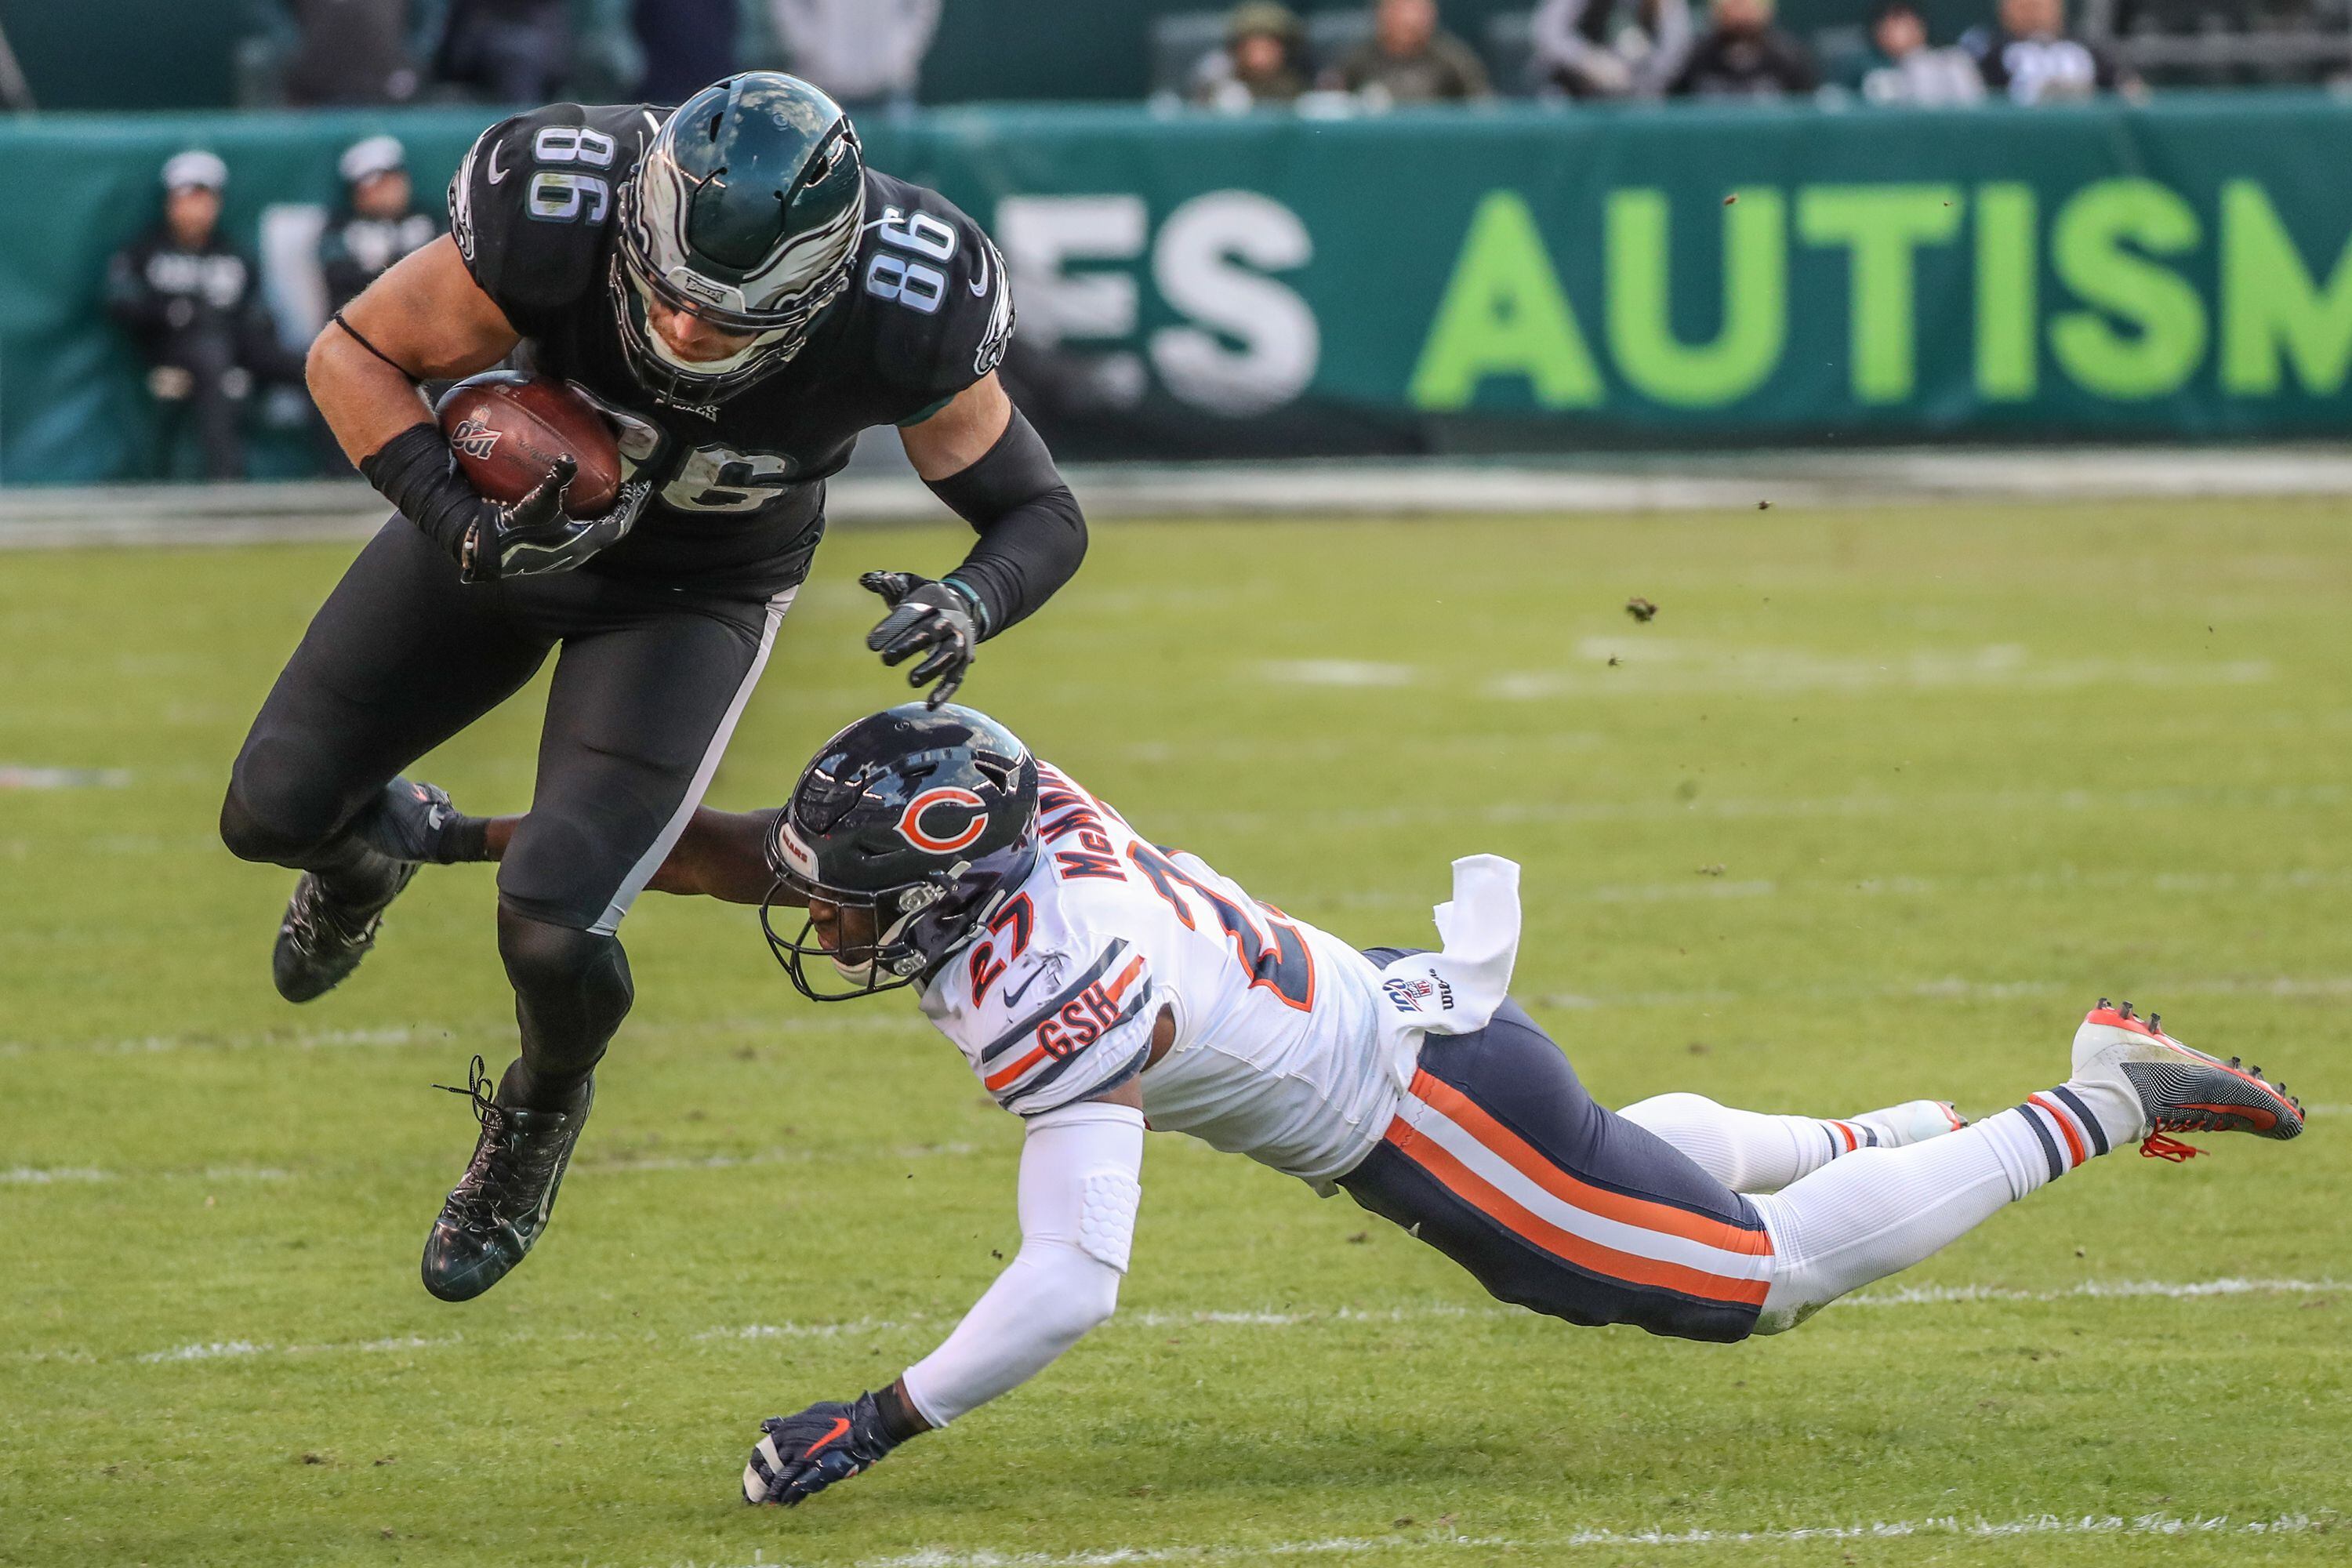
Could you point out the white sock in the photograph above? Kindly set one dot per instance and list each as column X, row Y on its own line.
column 1879, row 1212
column 1755, row 1151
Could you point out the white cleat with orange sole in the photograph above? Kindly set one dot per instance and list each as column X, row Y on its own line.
column 2178, row 1090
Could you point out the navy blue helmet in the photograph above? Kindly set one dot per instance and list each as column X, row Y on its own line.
column 921, row 821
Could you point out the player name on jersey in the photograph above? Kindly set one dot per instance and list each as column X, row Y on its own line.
column 1278, row 1048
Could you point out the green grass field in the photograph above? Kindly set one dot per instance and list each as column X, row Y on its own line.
column 1876, row 806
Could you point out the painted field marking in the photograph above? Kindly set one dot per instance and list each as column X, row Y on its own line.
column 1639, row 665
column 1708, row 886
column 1629, row 666
column 453, row 1041
column 1226, row 1317
column 2149, row 1524
column 25, row 775
column 1337, row 672
column 42, row 1176
column 1952, row 988
column 1854, row 804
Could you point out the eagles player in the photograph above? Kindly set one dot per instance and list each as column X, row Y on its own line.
column 1091, row 978
column 743, row 297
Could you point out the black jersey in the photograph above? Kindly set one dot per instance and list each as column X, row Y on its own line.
column 739, row 485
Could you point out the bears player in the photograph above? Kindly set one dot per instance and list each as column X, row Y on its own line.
column 743, row 297
column 1093, row 979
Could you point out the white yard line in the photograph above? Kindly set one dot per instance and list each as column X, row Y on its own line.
column 237, row 1350
column 1952, row 988
column 1854, row 804
column 149, row 1045
column 1644, row 666
column 2097, row 1290
column 1241, row 1319
column 42, row 1176
column 616, row 1166
column 1952, row 1526
column 455, row 1042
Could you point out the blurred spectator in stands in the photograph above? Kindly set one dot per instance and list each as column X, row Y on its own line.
column 1409, row 58
column 1902, row 68
column 1744, row 55
column 1584, row 50
column 687, row 44
column 1259, row 63
column 2031, row 57
column 508, row 51
column 192, row 302
column 866, row 53
column 351, row 51
column 16, row 93
column 378, row 223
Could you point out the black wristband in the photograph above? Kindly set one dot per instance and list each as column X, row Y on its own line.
column 464, row 839
column 414, row 472
column 898, row 1417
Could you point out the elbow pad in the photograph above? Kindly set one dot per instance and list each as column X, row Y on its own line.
column 1096, row 1136
column 1079, row 1194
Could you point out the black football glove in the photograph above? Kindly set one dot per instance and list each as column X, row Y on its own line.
column 800, row 1456
column 408, row 822
column 533, row 536
column 940, row 620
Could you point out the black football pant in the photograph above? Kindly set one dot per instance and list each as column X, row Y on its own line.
column 648, row 685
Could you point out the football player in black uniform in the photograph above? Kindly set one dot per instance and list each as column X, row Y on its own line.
column 743, row 297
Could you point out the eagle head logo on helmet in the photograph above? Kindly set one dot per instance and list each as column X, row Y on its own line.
column 745, row 212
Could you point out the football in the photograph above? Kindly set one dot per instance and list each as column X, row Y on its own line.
column 508, row 429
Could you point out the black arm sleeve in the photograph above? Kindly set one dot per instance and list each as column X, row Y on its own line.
column 414, row 472
column 1031, row 534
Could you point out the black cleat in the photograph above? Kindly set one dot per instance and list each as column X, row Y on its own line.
column 501, row 1205
column 323, row 939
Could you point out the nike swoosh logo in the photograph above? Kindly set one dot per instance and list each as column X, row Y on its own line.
column 496, row 174
column 979, row 285
column 1012, row 994
column 840, row 1427
column 2263, row 1120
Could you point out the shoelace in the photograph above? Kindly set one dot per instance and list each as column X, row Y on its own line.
column 472, row 1204
column 310, row 918
column 2156, row 1146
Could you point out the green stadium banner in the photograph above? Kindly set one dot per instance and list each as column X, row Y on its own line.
column 1502, row 279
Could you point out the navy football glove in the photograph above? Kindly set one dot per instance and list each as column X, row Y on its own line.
column 533, row 537
column 940, row 620
column 408, row 822
column 800, row 1456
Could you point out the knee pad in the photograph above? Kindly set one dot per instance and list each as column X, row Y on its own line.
column 274, row 810
column 275, row 828
column 572, row 990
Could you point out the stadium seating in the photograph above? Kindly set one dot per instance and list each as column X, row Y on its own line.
column 2233, row 43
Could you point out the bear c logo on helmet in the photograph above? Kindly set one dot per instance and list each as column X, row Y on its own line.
column 910, row 821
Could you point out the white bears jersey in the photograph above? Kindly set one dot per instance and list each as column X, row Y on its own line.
column 1279, row 1051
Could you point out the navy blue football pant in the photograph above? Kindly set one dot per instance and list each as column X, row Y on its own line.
column 1500, row 1160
